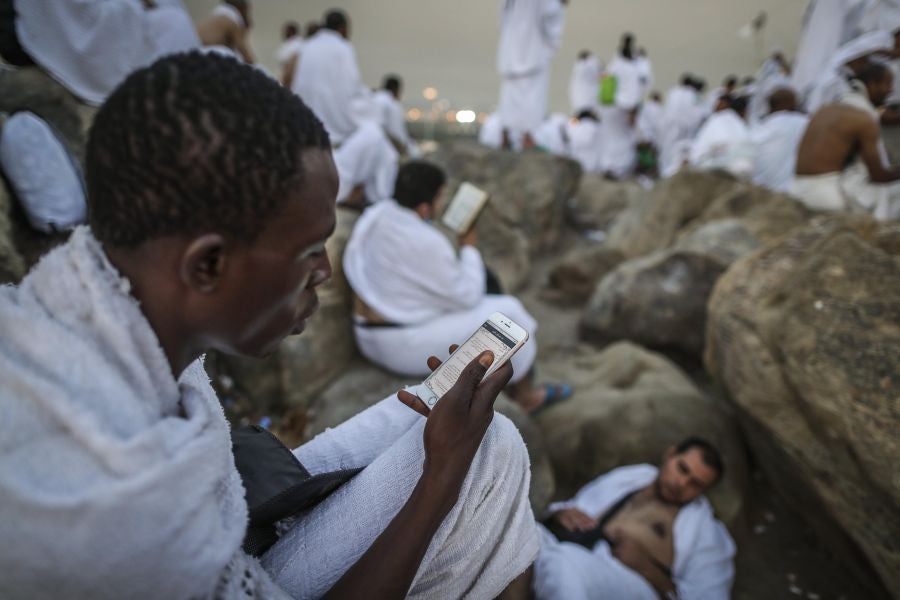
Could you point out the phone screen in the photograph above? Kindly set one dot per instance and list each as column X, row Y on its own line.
column 488, row 337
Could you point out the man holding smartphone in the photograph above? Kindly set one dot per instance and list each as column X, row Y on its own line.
column 116, row 475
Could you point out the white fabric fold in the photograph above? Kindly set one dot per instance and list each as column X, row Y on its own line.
column 776, row 140
column 530, row 33
column 116, row 480
column 723, row 142
column 584, row 84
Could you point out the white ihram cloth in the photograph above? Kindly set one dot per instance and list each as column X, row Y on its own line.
column 552, row 135
column 827, row 25
column 530, row 33
column 116, row 479
column 369, row 159
column 490, row 133
column 487, row 539
column 327, row 79
column 91, row 46
column 702, row 569
column 618, row 155
column 392, row 117
column 289, row 49
column 834, row 84
column 407, row 271
column 645, row 68
column 776, row 139
column 851, row 190
column 585, row 143
column 649, row 122
column 682, row 114
column 584, row 84
column 723, row 142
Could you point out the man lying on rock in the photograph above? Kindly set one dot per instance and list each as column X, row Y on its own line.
column 211, row 195
column 414, row 294
column 640, row 532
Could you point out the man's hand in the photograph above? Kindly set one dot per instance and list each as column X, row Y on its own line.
column 574, row 520
column 470, row 238
column 458, row 422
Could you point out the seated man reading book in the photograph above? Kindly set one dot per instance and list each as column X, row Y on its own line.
column 415, row 294
column 211, row 192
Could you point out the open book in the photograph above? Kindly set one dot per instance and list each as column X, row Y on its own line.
column 464, row 208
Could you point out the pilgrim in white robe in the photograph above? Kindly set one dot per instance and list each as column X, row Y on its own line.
column 288, row 50
column 98, row 438
column 723, row 142
column 776, row 139
column 92, row 46
column 584, row 84
column 682, row 114
column 552, row 135
column 827, row 25
column 585, row 143
column 703, row 565
column 392, row 117
column 649, row 123
column 645, row 68
column 618, row 154
column 327, row 79
column 234, row 15
column 367, row 158
column 490, row 133
column 530, row 33
column 408, row 272
column 835, row 82
column 851, row 190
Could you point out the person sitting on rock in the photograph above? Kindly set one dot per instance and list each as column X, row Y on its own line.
column 211, row 196
column 640, row 532
column 841, row 163
column 414, row 294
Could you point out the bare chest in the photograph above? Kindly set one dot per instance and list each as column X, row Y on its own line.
column 650, row 522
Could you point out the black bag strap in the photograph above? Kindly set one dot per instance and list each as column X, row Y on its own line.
column 277, row 485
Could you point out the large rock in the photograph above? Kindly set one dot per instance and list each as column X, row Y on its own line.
column 657, row 301
column 526, row 211
column 577, row 273
column 599, row 201
column 629, row 406
column 364, row 384
column 303, row 365
column 804, row 337
column 725, row 240
column 652, row 222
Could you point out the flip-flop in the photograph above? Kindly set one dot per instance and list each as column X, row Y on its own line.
column 556, row 393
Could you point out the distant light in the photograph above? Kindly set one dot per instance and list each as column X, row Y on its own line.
column 465, row 116
column 450, row 116
column 414, row 114
column 430, row 93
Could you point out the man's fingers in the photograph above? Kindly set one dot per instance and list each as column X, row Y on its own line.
column 414, row 402
column 472, row 375
column 491, row 387
column 433, row 362
column 453, row 348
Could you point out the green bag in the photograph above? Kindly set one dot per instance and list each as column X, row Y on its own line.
column 607, row 93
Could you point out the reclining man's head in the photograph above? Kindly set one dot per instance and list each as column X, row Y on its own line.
column 688, row 470
column 212, row 189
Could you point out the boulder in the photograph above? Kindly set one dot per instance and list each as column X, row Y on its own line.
column 303, row 365
column 525, row 214
column 575, row 276
column 725, row 240
column 629, row 406
column 657, row 301
column 364, row 384
column 652, row 222
column 803, row 336
column 599, row 201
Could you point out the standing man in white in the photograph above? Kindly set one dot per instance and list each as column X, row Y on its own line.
column 530, row 33
column 618, row 121
column 584, row 83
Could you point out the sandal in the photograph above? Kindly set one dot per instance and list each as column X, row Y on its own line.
column 556, row 393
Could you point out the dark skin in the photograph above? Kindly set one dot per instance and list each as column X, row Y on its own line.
column 838, row 133
column 222, row 31
column 207, row 292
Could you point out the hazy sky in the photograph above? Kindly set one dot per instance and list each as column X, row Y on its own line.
column 451, row 45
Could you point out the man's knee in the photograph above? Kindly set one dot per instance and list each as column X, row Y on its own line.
column 503, row 445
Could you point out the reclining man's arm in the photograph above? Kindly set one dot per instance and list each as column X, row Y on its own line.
column 869, row 138
column 453, row 434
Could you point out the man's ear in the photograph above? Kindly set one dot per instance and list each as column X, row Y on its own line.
column 203, row 262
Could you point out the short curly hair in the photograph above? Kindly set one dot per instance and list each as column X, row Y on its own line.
column 193, row 143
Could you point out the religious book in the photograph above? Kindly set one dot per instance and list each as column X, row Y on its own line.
column 464, row 208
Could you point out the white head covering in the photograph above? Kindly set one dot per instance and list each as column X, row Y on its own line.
column 867, row 43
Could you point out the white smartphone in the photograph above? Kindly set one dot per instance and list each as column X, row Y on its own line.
column 499, row 334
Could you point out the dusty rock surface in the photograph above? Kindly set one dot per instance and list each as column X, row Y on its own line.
column 804, row 337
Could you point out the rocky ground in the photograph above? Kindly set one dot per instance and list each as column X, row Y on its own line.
column 705, row 306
